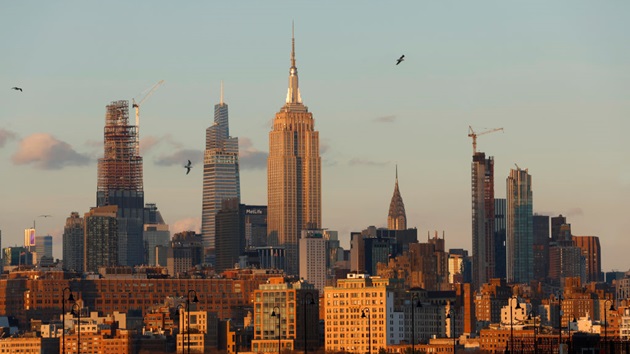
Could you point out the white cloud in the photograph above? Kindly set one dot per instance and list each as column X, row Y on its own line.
column 46, row 152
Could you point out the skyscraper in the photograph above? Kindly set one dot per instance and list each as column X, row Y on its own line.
column 120, row 181
column 293, row 173
column 520, row 227
column 396, row 218
column 73, row 243
column 541, row 246
column 101, row 238
column 221, row 179
column 499, row 237
column 482, row 171
column 230, row 234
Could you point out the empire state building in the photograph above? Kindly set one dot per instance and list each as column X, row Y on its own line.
column 294, row 193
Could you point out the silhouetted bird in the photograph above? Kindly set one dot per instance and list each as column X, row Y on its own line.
column 400, row 60
column 16, row 88
column 188, row 167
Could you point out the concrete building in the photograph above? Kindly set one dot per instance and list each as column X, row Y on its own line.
column 359, row 308
column 313, row 258
column 193, row 329
column 285, row 314
column 592, row 253
column 73, row 243
column 101, row 238
column 186, row 252
column 482, row 171
column 255, row 226
column 520, row 232
column 565, row 258
column 293, row 173
column 221, row 173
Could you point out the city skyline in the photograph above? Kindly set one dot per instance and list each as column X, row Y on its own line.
column 555, row 77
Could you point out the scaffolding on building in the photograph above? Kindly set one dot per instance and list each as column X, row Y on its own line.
column 120, row 168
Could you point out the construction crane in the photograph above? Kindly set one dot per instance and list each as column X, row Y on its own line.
column 136, row 106
column 474, row 135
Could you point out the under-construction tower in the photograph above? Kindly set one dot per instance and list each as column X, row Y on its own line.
column 120, row 181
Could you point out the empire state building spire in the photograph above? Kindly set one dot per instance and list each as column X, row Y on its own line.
column 294, row 99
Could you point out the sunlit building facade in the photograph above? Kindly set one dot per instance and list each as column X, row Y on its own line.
column 221, row 176
column 520, row 227
column 293, row 174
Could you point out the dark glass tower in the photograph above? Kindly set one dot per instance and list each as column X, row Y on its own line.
column 482, row 178
column 499, row 237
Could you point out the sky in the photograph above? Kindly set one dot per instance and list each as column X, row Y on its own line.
column 554, row 75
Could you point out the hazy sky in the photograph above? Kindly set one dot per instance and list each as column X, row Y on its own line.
column 554, row 74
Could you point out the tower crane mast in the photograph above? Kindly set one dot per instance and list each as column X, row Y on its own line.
column 136, row 106
column 474, row 135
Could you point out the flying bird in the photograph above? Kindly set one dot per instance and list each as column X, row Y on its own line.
column 16, row 88
column 188, row 167
column 400, row 60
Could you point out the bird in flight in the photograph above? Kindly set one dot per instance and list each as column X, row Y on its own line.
column 16, row 88
column 188, row 167
column 400, row 60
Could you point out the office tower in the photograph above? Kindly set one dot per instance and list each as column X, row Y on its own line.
column 556, row 223
column 44, row 249
column 255, row 226
column 313, row 258
column 101, row 238
column 73, row 243
column 482, row 171
column 396, row 218
column 230, row 234
column 520, row 228
column 293, row 173
column 284, row 314
column 459, row 266
column 499, row 237
column 592, row 253
column 221, row 179
column 120, row 182
column 541, row 246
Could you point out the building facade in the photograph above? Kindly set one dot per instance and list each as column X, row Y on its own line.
column 482, row 172
column 592, row 253
column 101, row 238
column 73, row 243
column 221, row 173
column 313, row 258
column 520, row 227
column 541, row 246
column 293, row 173
column 230, row 234
column 285, row 314
column 499, row 237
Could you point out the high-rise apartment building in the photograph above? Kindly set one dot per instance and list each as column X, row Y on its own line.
column 520, row 227
column 396, row 218
column 483, row 237
column 120, row 182
column 101, row 238
column 592, row 253
column 293, row 173
column 313, row 258
column 541, row 246
column 556, row 223
column 73, row 243
column 221, row 176
column 499, row 237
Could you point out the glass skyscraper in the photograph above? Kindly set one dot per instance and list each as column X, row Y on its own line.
column 520, row 227
column 221, row 178
column 482, row 179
